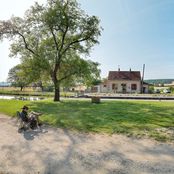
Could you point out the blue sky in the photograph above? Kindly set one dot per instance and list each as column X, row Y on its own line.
column 136, row 32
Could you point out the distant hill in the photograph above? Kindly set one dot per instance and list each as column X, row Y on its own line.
column 4, row 84
column 159, row 81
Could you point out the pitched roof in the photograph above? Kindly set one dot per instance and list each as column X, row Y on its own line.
column 124, row 75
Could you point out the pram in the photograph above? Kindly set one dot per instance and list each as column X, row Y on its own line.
column 32, row 123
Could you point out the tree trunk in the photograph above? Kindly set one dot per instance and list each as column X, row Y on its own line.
column 56, row 85
column 42, row 88
column 21, row 88
column 57, row 93
column 56, row 89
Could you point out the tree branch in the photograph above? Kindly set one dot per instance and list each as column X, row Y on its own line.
column 55, row 40
column 74, row 42
column 56, row 44
column 26, row 45
column 66, row 29
column 68, row 75
column 63, row 38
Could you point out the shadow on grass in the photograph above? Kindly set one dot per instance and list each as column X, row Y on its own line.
column 129, row 117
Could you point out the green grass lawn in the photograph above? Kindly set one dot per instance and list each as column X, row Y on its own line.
column 134, row 118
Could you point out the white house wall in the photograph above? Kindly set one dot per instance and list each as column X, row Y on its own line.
column 103, row 88
column 119, row 89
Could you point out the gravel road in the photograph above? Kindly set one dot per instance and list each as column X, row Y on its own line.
column 58, row 151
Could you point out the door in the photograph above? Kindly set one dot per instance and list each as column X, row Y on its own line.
column 123, row 88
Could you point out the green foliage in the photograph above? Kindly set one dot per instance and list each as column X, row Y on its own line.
column 96, row 82
column 135, row 118
column 171, row 89
column 80, row 71
column 151, row 89
column 17, row 77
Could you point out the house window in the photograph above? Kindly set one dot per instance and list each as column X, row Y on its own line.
column 104, row 86
column 114, row 86
column 133, row 86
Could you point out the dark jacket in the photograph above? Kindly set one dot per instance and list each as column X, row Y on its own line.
column 24, row 116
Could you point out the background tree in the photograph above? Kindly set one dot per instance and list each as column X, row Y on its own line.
column 53, row 37
column 96, row 82
column 17, row 77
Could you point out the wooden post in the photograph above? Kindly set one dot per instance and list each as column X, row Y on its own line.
column 95, row 99
column 142, row 79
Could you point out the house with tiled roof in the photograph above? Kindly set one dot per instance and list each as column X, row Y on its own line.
column 122, row 82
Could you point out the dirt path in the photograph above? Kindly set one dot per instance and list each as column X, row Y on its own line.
column 57, row 151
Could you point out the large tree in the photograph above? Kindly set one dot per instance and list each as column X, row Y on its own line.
column 53, row 37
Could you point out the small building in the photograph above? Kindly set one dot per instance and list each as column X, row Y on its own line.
column 145, row 87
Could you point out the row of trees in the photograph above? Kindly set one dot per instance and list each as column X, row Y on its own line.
column 52, row 41
column 18, row 77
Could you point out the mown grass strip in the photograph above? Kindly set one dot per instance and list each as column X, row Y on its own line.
column 135, row 118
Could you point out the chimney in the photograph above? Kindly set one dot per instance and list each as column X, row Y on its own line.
column 118, row 67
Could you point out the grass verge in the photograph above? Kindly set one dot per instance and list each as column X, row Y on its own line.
column 134, row 118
